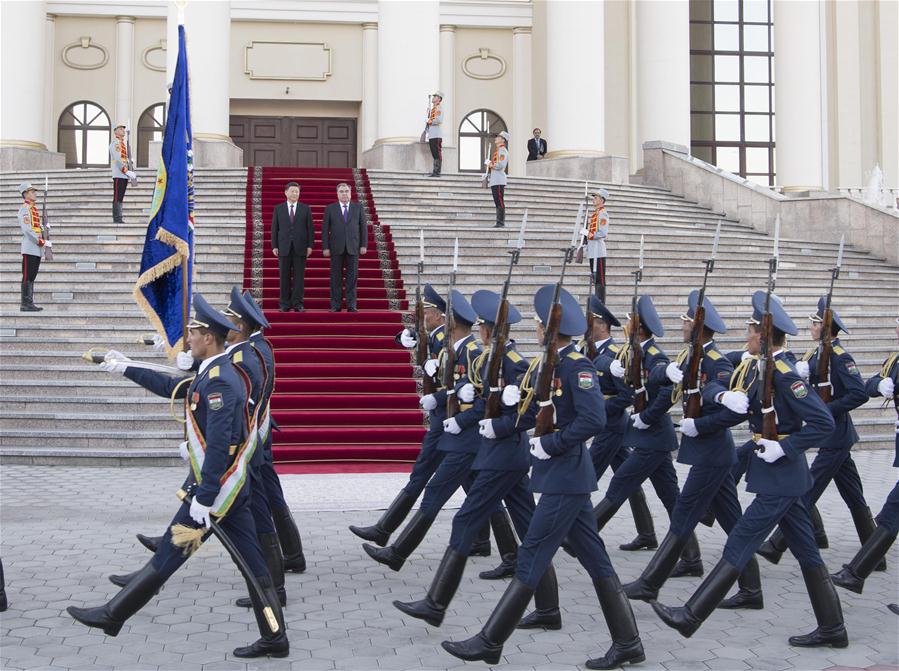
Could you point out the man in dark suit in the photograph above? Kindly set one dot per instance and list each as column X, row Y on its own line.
column 292, row 239
column 344, row 238
column 536, row 146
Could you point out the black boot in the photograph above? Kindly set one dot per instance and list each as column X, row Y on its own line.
column 709, row 518
column 446, row 581
column 690, row 565
column 123, row 605
column 506, row 569
column 893, row 608
column 820, row 534
column 546, row 613
column 688, row 618
column 616, row 609
column 853, row 574
column 396, row 512
column 646, row 533
column 123, row 579
column 487, row 645
column 289, row 538
column 749, row 595
column 438, row 164
column 271, row 643
column 271, row 550
column 149, row 542
column 117, row 213
column 27, row 298
column 500, row 217
column 773, row 548
column 865, row 526
column 481, row 547
column 829, row 615
column 4, row 604
column 410, row 538
column 647, row 586
column 503, row 533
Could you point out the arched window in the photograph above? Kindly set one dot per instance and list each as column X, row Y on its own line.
column 150, row 127
column 476, row 133
column 84, row 135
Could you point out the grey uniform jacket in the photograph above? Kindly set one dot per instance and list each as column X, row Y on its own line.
column 118, row 167
column 435, row 128
column 29, row 237
column 498, row 173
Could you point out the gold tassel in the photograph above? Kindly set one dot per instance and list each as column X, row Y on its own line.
column 188, row 538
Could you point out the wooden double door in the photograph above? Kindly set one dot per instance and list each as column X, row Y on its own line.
column 295, row 141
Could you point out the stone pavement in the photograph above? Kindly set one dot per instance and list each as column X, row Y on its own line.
column 65, row 529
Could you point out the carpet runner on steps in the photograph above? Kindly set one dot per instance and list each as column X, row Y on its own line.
column 346, row 398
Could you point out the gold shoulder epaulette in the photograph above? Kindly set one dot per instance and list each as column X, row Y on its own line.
column 513, row 356
column 214, row 372
column 574, row 354
column 238, row 357
column 472, row 346
column 653, row 349
column 838, row 350
column 714, row 354
column 782, row 366
column 615, row 348
column 440, row 335
column 809, row 353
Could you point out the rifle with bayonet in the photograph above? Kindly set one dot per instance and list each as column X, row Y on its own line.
column 633, row 374
column 500, row 335
column 765, row 389
column 45, row 227
column 449, row 351
column 825, row 345
column 428, row 384
column 130, row 164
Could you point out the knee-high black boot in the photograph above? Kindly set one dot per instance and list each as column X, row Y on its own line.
column 396, row 555
column 500, row 217
column 271, row 550
column 4, row 604
column 853, row 575
column 481, row 547
column 390, row 521
column 446, row 581
column 626, row 644
column 749, row 595
column 646, row 532
column 149, row 542
column 773, row 548
column 487, row 645
column 289, row 538
column 546, row 613
column 690, row 564
column 826, row 604
column 865, row 526
column 271, row 643
column 506, row 544
column 820, row 534
column 134, row 596
column 688, row 618
column 647, row 586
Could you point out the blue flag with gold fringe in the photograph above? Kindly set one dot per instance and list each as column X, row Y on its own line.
column 164, row 286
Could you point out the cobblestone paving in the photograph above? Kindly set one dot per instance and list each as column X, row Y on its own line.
column 65, row 529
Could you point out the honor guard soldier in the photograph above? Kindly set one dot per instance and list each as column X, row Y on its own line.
column 563, row 475
column 122, row 173
column 218, row 451
column 597, row 230
column 707, row 446
column 834, row 460
column 779, row 477
column 33, row 245
column 434, row 127
column 497, row 176
column 606, row 449
column 501, row 464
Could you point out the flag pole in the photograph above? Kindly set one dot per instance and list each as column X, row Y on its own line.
column 185, row 302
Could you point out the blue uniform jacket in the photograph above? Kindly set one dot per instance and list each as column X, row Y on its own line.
column 469, row 440
column 244, row 356
column 891, row 366
column 218, row 398
column 618, row 398
column 509, row 451
column 714, row 446
column 262, row 345
column 848, row 393
column 660, row 436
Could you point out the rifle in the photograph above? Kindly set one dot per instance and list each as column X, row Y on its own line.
column 634, row 373
column 825, row 348
column 766, row 356
column 45, row 228
column 692, row 397
column 424, row 134
column 543, row 390
column 579, row 257
column 429, row 386
column 449, row 361
column 500, row 334
column 130, row 161
column 485, row 180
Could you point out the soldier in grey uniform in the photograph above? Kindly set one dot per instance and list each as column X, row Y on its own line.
column 497, row 167
column 33, row 245
column 434, row 127
column 120, row 163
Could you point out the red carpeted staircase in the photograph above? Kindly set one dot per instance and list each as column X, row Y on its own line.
column 345, row 392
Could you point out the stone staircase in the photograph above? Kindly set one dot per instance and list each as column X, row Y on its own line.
column 678, row 237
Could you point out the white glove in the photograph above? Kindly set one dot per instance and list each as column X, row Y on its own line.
column 466, row 393
column 688, row 427
column 511, row 394
column 115, row 355
column 158, row 342
column 745, row 355
column 428, row 402
column 639, row 423
column 616, row 369
column 131, row 175
column 431, row 366
column 184, row 451
column 537, row 449
column 200, row 513
column 585, row 232
column 736, row 401
column 486, row 429
column 408, row 339
column 452, row 426
column 674, row 373
column 114, row 366
column 773, row 450
column 48, row 244
column 185, row 360
column 802, row 369
column 886, row 387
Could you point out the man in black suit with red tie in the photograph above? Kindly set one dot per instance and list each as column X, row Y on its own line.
column 344, row 238
column 292, row 239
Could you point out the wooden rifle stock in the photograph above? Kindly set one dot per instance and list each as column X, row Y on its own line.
column 769, row 418
column 589, row 341
column 692, row 397
column 635, row 367
column 449, row 361
column 500, row 337
column 825, row 349
column 544, row 389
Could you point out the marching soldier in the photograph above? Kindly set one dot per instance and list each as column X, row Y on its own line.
column 564, row 477
column 122, row 174
column 33, row 245
column 434, row 127
column 779, row 476
column 497, row 167
column 596, row 232
column 218, row 452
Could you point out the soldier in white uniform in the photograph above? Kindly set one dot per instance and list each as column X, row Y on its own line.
column 33, row 245
column 497, row 167
column 120, row 163
column 435, row 132
column 596, row 231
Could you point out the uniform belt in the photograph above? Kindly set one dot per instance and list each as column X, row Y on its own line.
column 608, row 396
column 466, row 406
column 780, row 436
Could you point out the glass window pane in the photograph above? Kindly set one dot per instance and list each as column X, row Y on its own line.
column 67, row 145
column 95, row 116
column 728, row 158
column 755, row 69
column 756, row 159
column 755, row 38
column 700, row 10
column 727, row 127
column 727, row 98
column 726, row 10
column 755, row 11
column 757, row 129
column 159, row 114
column 727, row 37
column 701, row 36
column 79, row 147
column 97, row 147
column 755, row 98
column 702, row 127
column 727, row 68
column 470, row 153
column 703, row 153
column 702, row 68
column 78, row 113
column 701, row 99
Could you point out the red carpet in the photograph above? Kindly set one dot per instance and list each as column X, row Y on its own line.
column 345, row 398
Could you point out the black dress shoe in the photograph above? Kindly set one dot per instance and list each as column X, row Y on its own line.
column 386, row 556
column 688, row 569
column 744, row 600
column 277, row 647
column 149, row 542
column 352, row 310
column 334, row 310
column 295, row 564
column 551, row 620
column 641, row 542
column 425, row 610
column 299, row 308
column 480, row 549
column 619, row 655
column 639, row 590
column 894, row 607
column 373, row 533
column 832, row 637
column 284, row 309
column 505, row 570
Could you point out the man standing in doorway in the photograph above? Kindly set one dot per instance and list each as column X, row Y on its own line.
column 292, row 239
column 344, row 239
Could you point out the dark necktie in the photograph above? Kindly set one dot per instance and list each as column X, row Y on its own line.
column 344, row 214
column 291, row 213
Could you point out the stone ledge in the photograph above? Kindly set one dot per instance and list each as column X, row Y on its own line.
column 414, row 157
column 608, row 169
column 24, row 159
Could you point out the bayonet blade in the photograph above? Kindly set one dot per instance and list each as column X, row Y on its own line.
column 524, row 222
column 577, row 226
column 456, row 255
column 715, row 243
column 421, row 245
column 840, row 253
column 640, row 266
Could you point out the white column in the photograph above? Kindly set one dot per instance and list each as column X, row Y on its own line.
column 662, row 71
column 22, row 89
column 521, row 98
column 448, row 83
column 575, row 119
column 797, row 64
column 408, row 67
column 369, row 110
column 171, row 41
column 124, row 72
column 50, row 108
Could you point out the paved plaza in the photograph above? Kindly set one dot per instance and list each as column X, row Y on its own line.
column 65, row 529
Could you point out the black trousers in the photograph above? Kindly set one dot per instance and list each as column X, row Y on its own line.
column 598, row 268
column 436, row 145
column 30, row 265
column 119, row 186
column 499, row 196
column 344, row 266
column 292, row 268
